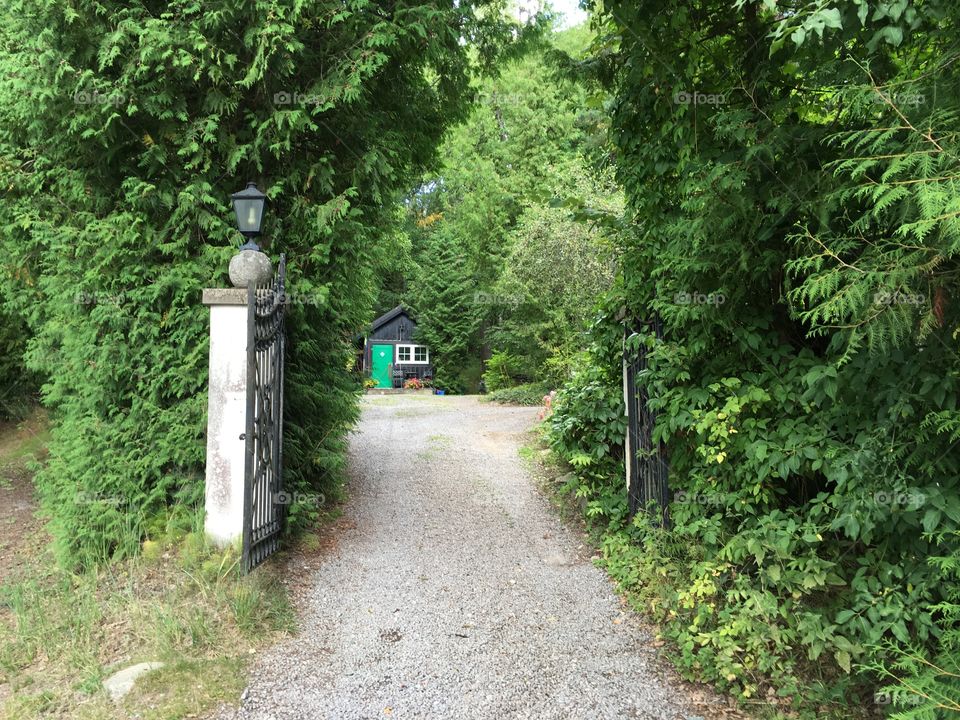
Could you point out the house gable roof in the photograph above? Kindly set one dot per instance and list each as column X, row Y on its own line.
column 388, row 316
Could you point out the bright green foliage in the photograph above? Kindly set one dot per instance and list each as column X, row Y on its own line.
column 123, row 129
column 555, row 272
column 502, row 371
column 528, row 275
column 795, row 207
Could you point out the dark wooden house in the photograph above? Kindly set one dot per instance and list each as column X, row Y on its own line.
column 390, row 355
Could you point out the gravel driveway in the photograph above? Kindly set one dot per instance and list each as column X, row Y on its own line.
column 456, row 592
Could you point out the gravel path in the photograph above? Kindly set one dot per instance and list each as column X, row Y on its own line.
column 456, row 592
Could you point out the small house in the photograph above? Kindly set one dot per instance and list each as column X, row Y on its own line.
column 390, row 355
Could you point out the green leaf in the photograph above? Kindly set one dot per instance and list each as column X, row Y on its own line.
column 931, row 520
column 831, row 17
column 899, row 629
column 845, row 615
column 843, row 660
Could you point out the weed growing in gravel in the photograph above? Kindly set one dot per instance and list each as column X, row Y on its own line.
column 437, row 445
column 380, row 400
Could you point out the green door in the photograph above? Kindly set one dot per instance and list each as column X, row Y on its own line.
column 381, row 357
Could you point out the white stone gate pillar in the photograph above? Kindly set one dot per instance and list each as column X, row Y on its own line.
column 227, row 397
column 226, row 414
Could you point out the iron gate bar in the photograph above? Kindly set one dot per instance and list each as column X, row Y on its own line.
column 264, row 499
column 648, row 471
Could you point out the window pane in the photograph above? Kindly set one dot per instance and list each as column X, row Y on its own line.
column 420, row 353
column 404, row 354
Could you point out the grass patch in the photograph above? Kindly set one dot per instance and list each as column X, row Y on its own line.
column 187, row 688
column 182, row 603
column 29, row 449
column 412, row 412
column 437, row 445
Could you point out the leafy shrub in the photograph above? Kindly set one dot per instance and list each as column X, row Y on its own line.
column 806, row 386
column 528, row 394
column 587, row 427
column 920, row 687
column 502, row 368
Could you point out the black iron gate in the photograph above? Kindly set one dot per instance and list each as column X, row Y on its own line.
column 647, row 487
column 264, row 500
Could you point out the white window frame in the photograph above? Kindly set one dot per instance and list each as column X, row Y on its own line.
column 413, row 354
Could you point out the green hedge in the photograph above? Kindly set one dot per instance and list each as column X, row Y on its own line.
column 798, row 238
column 123, row 130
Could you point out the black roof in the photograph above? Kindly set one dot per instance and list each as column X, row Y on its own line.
column 388, row 316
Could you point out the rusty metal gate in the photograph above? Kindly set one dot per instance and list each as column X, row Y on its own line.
column 646, row 460
column 264, row 500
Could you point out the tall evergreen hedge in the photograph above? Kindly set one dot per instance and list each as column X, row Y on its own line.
column 793, row 183
column 124, row 127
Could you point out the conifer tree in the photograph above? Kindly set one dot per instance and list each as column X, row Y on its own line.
column 123, row 130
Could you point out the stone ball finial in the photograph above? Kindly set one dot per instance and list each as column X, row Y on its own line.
column 250, row 267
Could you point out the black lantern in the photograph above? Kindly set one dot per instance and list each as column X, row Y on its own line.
column 248, row 205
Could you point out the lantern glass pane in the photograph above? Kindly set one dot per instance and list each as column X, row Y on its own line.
column 249, row 214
